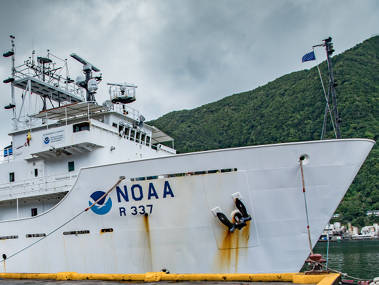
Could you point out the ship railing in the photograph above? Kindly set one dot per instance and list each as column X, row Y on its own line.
column 36, row 186
column 58, row 81
column 127, row 111
column 129, row 92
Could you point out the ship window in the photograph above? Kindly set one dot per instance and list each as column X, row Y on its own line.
column 202, row 172
column 114, row 125
column 143, row 137
column 8, row 237
column 8, row 151
column 34, row 212
column 35, row 172
column 82, row 232
column 107, row 230
column 35, row 235
column 81, row 127
column 138, row 136
column 132, row 134
column 11, row 176
column 151, row 177
column 147, row 140
column 127, row 131
column 71, row 166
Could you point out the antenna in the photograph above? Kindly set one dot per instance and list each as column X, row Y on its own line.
column 84, row 62
column 89, row 83
column 11, row 79
column 40, row 76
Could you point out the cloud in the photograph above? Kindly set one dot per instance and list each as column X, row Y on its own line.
column 182, row 54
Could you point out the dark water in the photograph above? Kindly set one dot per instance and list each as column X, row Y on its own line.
column 357, row 258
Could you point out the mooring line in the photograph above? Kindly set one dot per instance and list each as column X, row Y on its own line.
column 65, row 223
column 339, row 272
column 305, row 203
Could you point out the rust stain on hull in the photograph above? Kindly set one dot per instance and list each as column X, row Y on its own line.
column 232, row 244
column 245, row 234
column 146, row 225
column 226, row 252
column 147, row 230
column 236, row 252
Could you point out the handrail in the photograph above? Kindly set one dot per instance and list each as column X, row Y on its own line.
column 43, row 180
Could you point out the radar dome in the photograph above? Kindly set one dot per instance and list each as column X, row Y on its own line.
column 80, row 79
column 92, row 85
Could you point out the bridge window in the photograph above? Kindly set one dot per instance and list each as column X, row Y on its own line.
column 132, row 135
column 120, row 130
column 147, row 140
column 138, row 136
column 127, row 132
column 81, row 127
column 35, row 172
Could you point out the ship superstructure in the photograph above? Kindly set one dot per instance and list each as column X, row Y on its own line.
column 64, row 131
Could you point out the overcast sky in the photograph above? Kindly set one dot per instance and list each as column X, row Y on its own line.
column 181, row 54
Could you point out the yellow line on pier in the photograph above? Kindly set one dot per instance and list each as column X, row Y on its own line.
column 296, row 278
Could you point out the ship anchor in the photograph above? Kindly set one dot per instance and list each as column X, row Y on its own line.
column 239, row 216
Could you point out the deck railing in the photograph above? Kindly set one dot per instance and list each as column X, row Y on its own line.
column 36, row 186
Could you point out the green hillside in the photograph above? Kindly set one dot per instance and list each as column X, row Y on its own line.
column 291, row 108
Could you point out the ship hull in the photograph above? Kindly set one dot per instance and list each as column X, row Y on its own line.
column 166, row 221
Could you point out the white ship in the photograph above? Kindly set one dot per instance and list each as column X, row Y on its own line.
column 92, row 188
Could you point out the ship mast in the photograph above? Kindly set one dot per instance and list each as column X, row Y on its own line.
column 332, row 84
column 334, row 115
column 44, row 78
column 13, row 73
column 11, row 79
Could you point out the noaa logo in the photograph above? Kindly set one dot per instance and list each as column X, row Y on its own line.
column 103, row 206
column 46, row 140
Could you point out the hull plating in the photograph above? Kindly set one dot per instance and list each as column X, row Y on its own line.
column 167, row 222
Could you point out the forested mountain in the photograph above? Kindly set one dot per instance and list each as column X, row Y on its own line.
column 291, row 108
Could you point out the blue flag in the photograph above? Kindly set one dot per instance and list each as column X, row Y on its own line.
column 309, row 56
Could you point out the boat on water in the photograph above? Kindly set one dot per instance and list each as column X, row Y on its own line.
column 94, row 189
